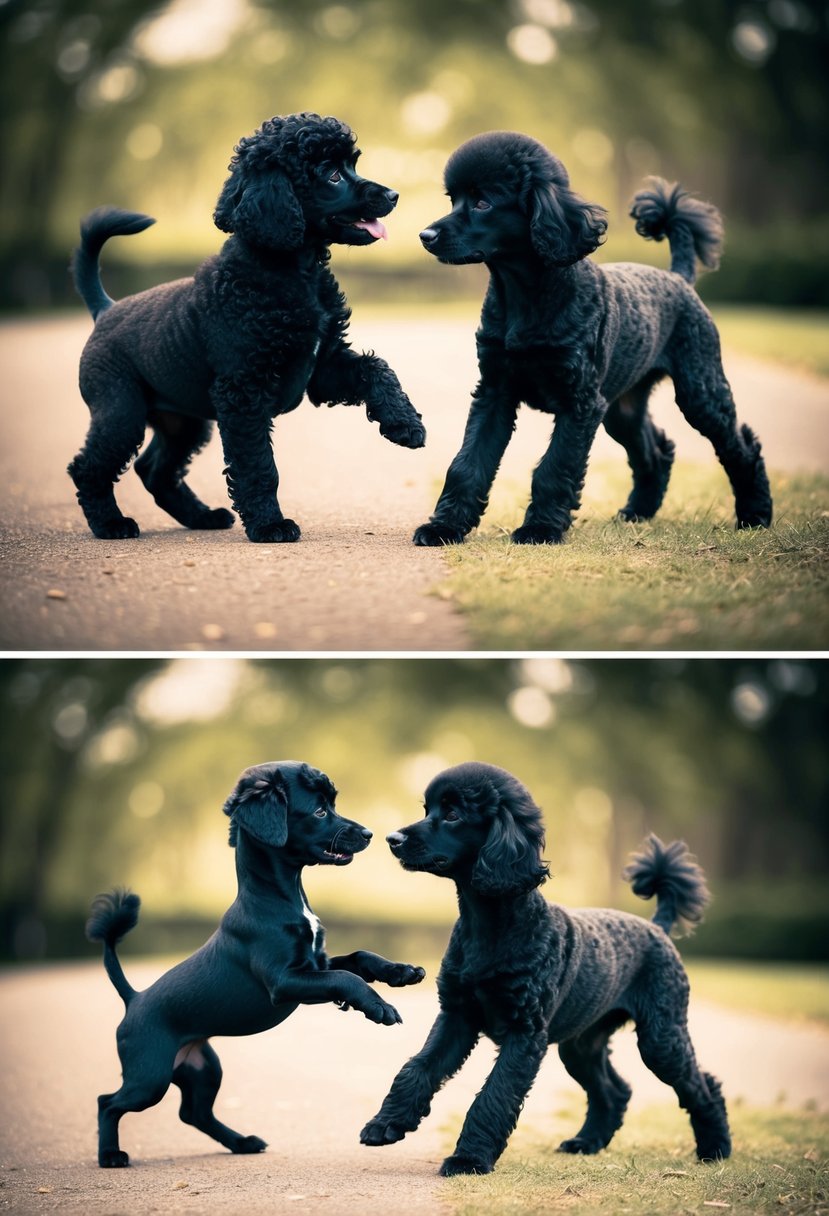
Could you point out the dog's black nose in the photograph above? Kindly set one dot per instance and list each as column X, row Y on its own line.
column 366, row 834
column 392, row 196
column 428, row 236
column 396, row 839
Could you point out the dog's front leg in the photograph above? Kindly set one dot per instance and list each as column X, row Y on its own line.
column 494, row 1113
column 465, row 494
column 252, row 477
column 339, row 987
column 559, row 476
column 410, row 1098
column 371, row 967
column 344, row 377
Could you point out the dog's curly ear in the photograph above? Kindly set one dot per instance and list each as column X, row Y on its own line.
column 261, row 208
column 259, row 804
column 563, row 227
column 510, row 861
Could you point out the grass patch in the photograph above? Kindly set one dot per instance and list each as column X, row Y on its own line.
column 686, row 581
column 779, row 1165
column 798, row 992
column 796, row 337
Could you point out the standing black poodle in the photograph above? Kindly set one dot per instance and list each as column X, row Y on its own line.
column 257, row 326
column 527, row 974
column 584, row 342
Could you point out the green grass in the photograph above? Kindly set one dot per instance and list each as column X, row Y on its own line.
column 797, row 337
column 794, row 991
column 686, row 581
column 779, row 1165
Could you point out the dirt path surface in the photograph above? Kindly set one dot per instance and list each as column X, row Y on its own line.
column 354, row 582
column 307, row 1088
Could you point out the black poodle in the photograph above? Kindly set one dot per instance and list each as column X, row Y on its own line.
column 527, row 974
column 584, row 342
column 257, row 326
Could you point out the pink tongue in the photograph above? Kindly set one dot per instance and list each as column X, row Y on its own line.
column 374, row 227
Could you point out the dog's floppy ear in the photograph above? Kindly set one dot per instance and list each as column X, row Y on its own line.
column 261, row 208
column 563, row 227
column 259, row 804
column 510, row 861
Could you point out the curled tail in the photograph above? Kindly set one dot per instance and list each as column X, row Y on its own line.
column 96, row 228
column 111, row 918
column 694, row 228
column 670, row 872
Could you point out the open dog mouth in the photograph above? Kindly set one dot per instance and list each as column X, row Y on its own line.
column 337, row 859
column 375, row 229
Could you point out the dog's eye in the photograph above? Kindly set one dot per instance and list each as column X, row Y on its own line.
column 451, row 817
column 482, row 205
column 320, row 812
column 336, row 176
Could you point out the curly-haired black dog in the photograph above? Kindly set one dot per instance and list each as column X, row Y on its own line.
column 257, row 326
column 527, row 974
column 266, row 958
column 584, row 342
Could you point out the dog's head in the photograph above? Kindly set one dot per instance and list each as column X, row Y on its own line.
column 511, row 198
column 294, row 182
column 289, row 806
column 480, row 828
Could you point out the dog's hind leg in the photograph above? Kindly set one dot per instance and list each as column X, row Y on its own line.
column 650, row 452
column 134, row 1095
column 199, row 1075
column 164, row 463
column 668, row 1052
column 704, row 396
column 114, row 436
column 587, row 1059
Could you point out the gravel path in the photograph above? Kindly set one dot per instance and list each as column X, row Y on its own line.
column 355, row 582
column 307, row 1088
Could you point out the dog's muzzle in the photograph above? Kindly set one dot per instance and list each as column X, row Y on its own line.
column 429, row 238
column 396, row 840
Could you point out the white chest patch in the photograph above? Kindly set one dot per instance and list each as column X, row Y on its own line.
column 314, row 922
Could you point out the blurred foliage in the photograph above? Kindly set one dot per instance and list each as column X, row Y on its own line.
column 140, row 104
column 115, row 771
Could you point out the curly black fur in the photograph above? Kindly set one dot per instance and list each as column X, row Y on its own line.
column 266, row 958
column 586, row 343
column 527, row 974
column 257, row 327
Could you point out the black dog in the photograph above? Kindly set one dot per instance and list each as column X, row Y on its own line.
column 528, row 974
column 266, row 957
column 583, row 342
column 241, row 342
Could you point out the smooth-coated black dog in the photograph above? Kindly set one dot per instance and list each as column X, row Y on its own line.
column 258, row 326
column 527, row 974
column 586, row 343
column 266, row 958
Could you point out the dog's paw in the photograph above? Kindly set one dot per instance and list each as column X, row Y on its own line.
column 434, row 535
column 759, row 518
column 113, row 1159
column 277, row 532
column 407, row 432
column 215, row 520
column 581, row 1144
column 377, row 1132
column 249, row 1144
column 458, row 1164
column 402, row 974
column 537, row 534
column 383, row 1013
column 120, row 527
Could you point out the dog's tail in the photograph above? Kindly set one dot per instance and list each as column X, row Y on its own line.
column 111, row 918
column 694, row 228
column 670, row 872
column 96, row 228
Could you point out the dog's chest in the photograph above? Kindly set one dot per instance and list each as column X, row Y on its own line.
column 546, row 378
column 506, row 1004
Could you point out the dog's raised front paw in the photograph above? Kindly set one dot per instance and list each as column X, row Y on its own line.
column 434, row 535
column 402, row 974
column 113, row 1159
column 277, row 532
column 464, row 1165
column 377, row 1132
column 383, row 1013
column 249, row 1144
column 537, row 534
column 407, row 432
column 120, row 527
